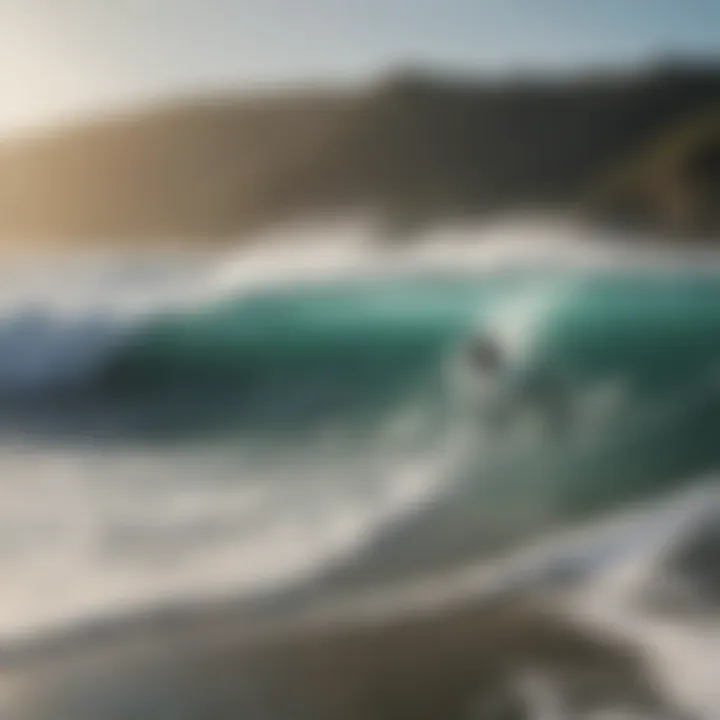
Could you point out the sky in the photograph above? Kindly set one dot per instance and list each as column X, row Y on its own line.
column 62, row 59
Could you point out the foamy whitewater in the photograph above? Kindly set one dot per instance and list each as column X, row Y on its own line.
column 235, row 425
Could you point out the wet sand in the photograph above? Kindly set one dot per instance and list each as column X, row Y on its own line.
column 469, row 660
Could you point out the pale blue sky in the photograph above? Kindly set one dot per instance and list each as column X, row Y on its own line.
column 60, row 58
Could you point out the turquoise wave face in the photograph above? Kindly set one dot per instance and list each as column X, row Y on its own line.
column 659, row 339
column 286, row 327
column 302, row 355
column 657, row 330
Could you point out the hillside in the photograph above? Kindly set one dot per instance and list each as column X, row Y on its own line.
column 413, row 149
column 669, row 185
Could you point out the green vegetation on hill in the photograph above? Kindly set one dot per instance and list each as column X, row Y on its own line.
column 415, row 149
column 671, row 184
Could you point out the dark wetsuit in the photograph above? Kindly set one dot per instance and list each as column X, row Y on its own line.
column 486, row 356
column 525, row 387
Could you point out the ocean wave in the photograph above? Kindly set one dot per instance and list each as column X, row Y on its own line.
column 323, row 359
column 326, row 290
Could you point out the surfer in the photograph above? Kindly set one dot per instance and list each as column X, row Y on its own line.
column 518, row 388
column 486, row 356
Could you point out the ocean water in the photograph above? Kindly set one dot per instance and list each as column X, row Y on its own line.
column 294, row 421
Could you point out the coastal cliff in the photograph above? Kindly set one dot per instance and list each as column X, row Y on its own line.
column 412, row 150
